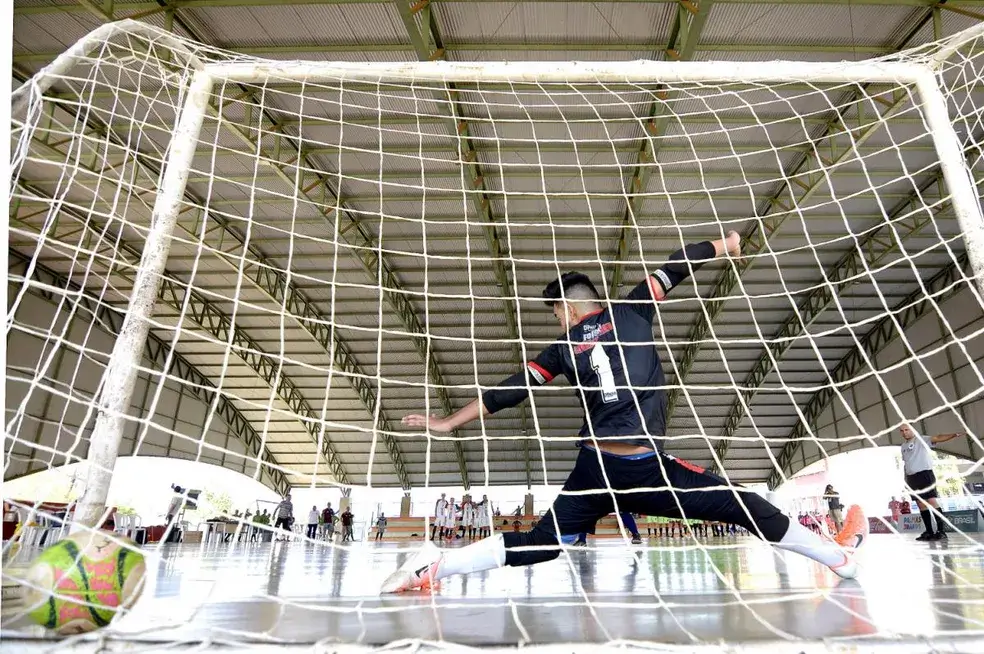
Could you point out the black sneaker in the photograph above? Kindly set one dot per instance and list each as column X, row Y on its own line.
column 941, row 535
column 636, row 540
column 937, row 536
column 925, row 536
column 580, row 543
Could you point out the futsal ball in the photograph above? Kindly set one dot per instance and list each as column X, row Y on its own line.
column 79, row 583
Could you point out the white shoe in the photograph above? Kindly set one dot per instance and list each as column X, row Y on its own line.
column 846, row 570
column 418, row 572
column 852, row 535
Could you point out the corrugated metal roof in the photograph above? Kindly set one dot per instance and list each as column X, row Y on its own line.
column 532, row 22
column 726, row 150
column 817, row 25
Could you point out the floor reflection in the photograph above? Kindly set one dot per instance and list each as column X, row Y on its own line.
column 732, row 590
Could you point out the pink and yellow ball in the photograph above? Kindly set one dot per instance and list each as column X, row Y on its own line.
column 80, row 583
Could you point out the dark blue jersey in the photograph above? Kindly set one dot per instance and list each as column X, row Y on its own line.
column 610, row 360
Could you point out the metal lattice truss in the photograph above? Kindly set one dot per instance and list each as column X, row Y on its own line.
column 724, row 410
column 163, row 356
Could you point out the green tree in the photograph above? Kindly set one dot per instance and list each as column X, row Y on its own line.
column 949, row 483
column 214, row 505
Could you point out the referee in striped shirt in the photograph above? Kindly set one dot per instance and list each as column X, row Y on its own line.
column 920, row 478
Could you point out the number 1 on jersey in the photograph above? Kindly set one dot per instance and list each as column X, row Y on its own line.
column 602, row 365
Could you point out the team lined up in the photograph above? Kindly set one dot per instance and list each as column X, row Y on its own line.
column 469, row 518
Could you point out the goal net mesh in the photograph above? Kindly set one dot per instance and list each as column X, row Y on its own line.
column 352, row 249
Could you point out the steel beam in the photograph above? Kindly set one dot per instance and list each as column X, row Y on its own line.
column 684, row 37
column 287, row 158
column 904, row 221
column 269, row 278
column 207, row 315
column 516, row 172
column 940, row 287
column 505, row 143
column 123, row 8
column 362, row 244
column 159, row 352
column 807, row 174
column 422, row 28
column 756, row 236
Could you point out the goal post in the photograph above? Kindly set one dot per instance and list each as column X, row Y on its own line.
column 121, row 373
column 128, row 135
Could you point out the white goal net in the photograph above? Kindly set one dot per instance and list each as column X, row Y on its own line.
column 266, row 265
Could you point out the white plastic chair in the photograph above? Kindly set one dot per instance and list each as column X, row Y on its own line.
column 123, row 524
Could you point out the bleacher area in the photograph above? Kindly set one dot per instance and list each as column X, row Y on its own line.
column 414, row 528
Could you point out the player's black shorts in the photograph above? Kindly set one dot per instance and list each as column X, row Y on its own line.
column 659, row 485
column 923, row 484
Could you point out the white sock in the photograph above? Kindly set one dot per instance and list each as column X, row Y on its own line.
column 801, row 540
column 486, row 554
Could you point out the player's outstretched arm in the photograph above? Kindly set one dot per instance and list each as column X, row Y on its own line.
column 690, row 259
column 463, row 416
column 509, row 392
column 942, row 438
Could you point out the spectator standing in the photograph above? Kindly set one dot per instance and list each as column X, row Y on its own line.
column 312, row 530
column 895, row 508
column 439, row 509
column 347, row 519
column 380, row 526
column 285, row 516
column 450, row 517
column 173, row 513
column 834, row 507
column 328, row 522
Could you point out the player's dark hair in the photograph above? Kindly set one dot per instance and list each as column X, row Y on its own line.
column 576, row 286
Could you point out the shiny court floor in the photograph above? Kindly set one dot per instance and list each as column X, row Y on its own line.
column 731, row 590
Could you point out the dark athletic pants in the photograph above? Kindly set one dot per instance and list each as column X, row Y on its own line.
column 576, row 514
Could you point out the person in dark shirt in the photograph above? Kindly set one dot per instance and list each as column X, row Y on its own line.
column 328, row 522
column 347, row 521
column 608, row 355
column 834, row 506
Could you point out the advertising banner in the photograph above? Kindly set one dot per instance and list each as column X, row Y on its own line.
column 968, row 521
column 878, row 526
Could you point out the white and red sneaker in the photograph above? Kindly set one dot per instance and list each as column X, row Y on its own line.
column 851, row 537
column 418, row 573
column 854, row 531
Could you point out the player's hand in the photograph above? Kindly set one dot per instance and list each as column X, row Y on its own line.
column 431, row 423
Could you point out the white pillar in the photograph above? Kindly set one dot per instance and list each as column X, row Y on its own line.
column 121, row 373
column 963, row 192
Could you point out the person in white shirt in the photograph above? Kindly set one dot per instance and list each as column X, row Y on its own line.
column 468, row 520
column 917, row 460
column 285, row 517
column 482, row 516
column 312, row 530
column 450, row 517
column 439, row 509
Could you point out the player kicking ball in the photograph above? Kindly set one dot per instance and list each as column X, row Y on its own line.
column 607, row 354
